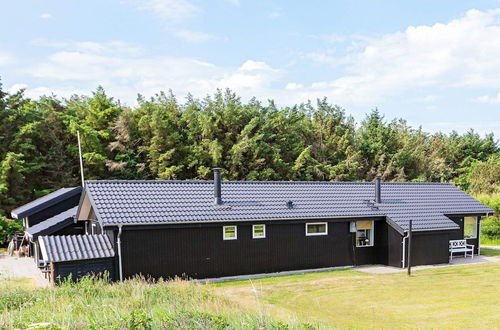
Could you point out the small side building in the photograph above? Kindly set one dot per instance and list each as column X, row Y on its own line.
column 52, row 214
column 77, row 256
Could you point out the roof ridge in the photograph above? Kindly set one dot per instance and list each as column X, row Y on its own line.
column 263, row 182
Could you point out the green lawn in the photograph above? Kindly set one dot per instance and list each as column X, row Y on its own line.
column 450, row 297
column 489, row 241
column 490, row 252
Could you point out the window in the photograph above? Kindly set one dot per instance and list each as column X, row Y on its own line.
column 259, row 231
column 229, row 232
column 470, row 227
column 364, row 233
column 316, row 228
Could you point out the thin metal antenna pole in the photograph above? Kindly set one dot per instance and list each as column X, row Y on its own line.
column 80, row 157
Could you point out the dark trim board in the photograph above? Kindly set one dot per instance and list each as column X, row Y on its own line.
column 55, row 209
column 46, row 202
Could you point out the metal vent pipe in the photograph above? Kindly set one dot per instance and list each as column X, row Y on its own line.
column 217, row 187
column 378, row 197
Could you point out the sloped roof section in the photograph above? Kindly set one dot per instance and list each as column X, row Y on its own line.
column 51, row 225
column 75, row 247
column 44, row 202
column 156, row 202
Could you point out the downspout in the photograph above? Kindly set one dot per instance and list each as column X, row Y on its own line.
column 119, row 242
column 405, row 236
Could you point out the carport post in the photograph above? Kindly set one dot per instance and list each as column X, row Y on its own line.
column 409, row 247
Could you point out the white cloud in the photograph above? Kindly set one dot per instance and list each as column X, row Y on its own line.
column 481, row 127
column 170, row 11
column 489, row 99
column 252, row 78
column 45, row 16
column 234, row 2
column 293, row 86
column 255, row 66
column 194, row 36
column 461, row 53
column 15, row 88
column 324, row 58
column 125, row 73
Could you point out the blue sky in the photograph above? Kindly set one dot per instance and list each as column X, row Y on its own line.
column 434, row 63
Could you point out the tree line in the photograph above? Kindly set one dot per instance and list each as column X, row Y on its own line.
column 162, row 138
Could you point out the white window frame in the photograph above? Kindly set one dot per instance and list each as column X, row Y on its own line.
column 475, row 228
column 253, row 231
column 229, row 238
column 317, row 223
column 371, row 238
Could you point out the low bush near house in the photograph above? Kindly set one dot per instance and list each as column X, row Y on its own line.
column 7, row 228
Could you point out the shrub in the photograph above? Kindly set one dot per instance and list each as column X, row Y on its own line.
column 493, row 201
column 7, row 228
column 490, row 227
column 138, row 319
column 196, row 320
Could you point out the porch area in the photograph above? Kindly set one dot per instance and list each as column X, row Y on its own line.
column 457, row 261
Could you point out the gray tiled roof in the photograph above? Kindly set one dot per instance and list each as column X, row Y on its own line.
column 51, row 225
column 44, row 202
column 155, row 202
column 75, row 247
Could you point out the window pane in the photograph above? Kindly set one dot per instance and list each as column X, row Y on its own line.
column 259, row 231
column 316, row 228
column 470, row 227
column 230, row 232
column 364, row 237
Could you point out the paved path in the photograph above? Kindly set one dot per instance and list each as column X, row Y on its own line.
column 460, row 261
column 14, row 267
column 493, row 247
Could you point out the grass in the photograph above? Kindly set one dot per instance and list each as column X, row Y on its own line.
column 133, row 304
column 2, row 249
column 450, row 297
column 490, row 252
column 489, row 241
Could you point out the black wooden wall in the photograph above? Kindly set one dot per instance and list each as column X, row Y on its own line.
column 200, row 252
column 80, row 268
column 431, row 247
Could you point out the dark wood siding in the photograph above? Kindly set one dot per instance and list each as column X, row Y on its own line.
column 80, row 268
column 431, row 247
column 53, row 210
column 200, row 252
column 394, row 248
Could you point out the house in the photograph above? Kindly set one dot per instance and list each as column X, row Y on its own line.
column 52, row 214
column 207, row 229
